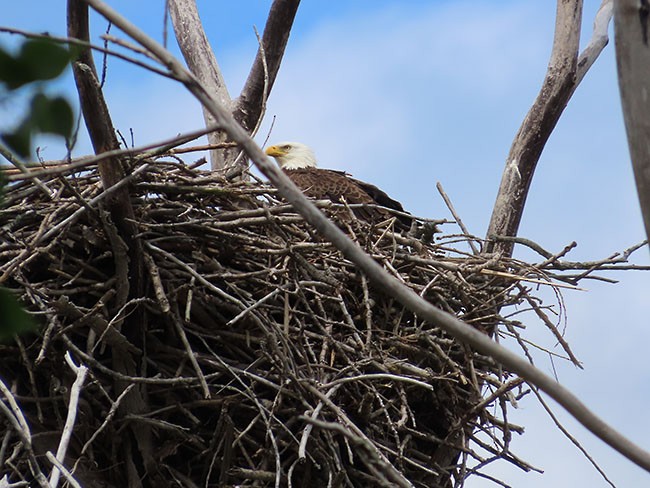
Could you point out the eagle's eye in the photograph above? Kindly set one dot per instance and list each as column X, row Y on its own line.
column 286, row 147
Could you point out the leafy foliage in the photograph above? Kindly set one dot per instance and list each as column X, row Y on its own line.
column 35, row 62
column 13, row 319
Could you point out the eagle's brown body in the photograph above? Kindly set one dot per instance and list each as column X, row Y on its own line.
column 324, row 184
column 299, row 164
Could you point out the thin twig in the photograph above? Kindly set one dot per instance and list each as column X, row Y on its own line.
column 459, row 221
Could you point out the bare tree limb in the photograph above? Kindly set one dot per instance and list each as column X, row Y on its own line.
column 201, row 60
column 96, row 115
column 599, row 39
column 374, row 271
column 73, row 407
column 632, row 23
column 274, row 41
column 564, row 73
column 121, row 228
column 102, row 134
column 248, row 107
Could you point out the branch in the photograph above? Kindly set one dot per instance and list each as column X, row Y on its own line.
column 599, row 39
column 633, row 59
column 94, row 108
column 374, row 271
column 565, row 71
column 201, row 60
column 80, row 373
column 17, row 420
column 274, row 41
column 98, row 122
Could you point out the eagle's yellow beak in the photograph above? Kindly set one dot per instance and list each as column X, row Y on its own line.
column 275, row 151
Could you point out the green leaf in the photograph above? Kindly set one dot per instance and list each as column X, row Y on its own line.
column 8, row 65
column 52, row 115
column 13, row 319
column 47, row 59
column 47, row 115
column 20, row 140
column 37, row 60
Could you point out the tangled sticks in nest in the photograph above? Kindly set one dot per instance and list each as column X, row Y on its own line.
column 263, row 357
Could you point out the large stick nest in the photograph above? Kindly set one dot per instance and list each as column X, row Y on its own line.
column 257, row 355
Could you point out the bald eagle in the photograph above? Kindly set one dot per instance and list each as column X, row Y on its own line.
column 298, row 161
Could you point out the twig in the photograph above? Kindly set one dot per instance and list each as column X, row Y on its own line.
column 191, row 356
column 60, row 468
column 139, row 153
column 459, row 221
column 568, row 435
column 9, row 156
column 109, row 416
column 503, row 274
column 78, row 42
column 556, row 333
column 80, row 372
column 16, row 418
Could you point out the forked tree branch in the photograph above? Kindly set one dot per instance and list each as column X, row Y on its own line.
column 375, row 272
column 248, row 107
column 564, row 73
column 632, row 34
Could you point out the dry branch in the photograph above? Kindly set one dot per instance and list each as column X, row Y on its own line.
column 252, row 100
column 565, row 71
column 248, row 107
column 201, row 60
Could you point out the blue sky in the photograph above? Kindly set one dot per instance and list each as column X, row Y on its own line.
column 405, row 94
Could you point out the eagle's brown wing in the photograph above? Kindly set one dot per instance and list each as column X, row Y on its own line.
column 337, row 186
column 324, row 184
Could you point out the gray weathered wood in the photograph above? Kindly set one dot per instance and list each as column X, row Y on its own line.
column 249, row 107
column 632, row 33
column 201, row 60
column 565, row 71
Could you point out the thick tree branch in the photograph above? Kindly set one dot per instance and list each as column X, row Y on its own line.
column 375, row 272
column 632, row 25
column 121, row 228
column 102, row 133
column 259, row 83
column 93, row 105
column 201, row 60
column 100, row 127
column 565, row 71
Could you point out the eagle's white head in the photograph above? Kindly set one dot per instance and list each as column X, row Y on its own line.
column 292, row 155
